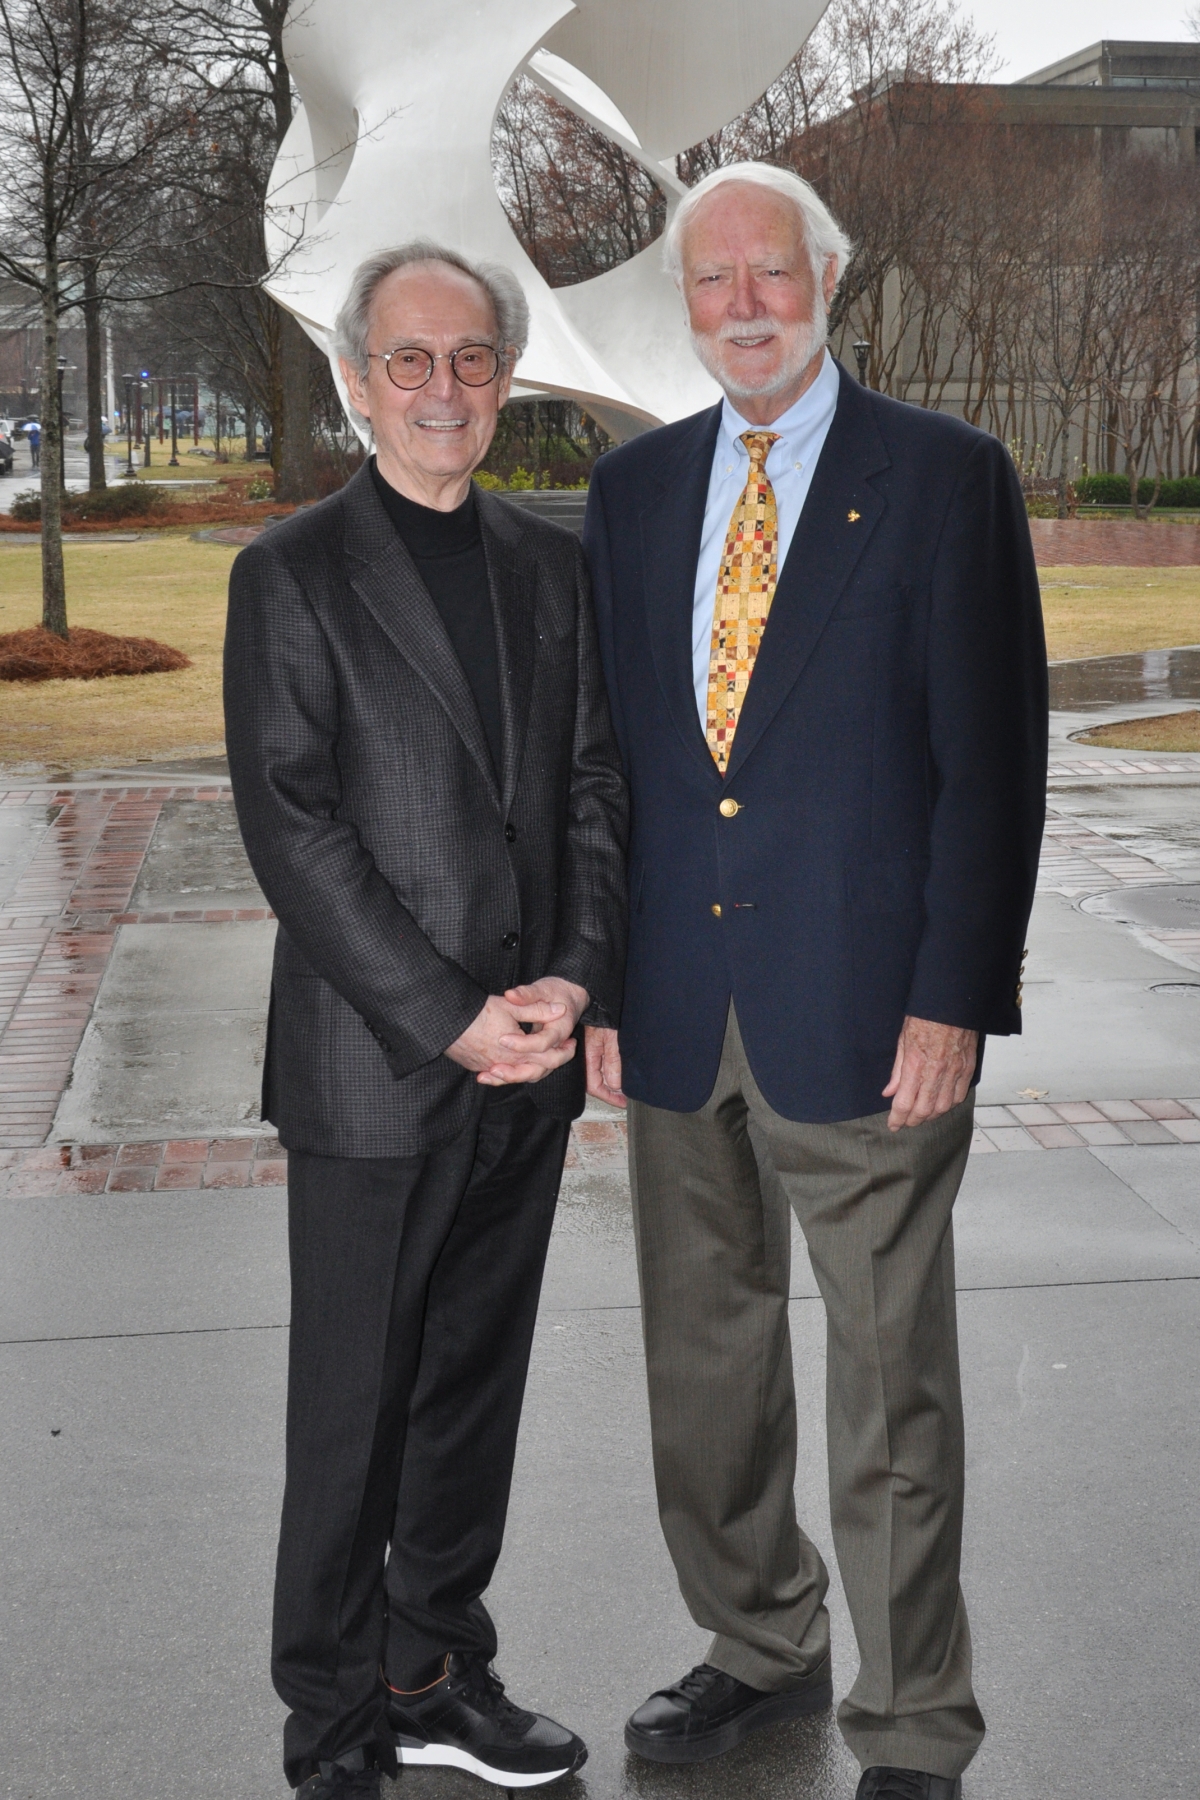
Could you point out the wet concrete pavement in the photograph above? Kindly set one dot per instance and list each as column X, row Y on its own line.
column 144, row 1342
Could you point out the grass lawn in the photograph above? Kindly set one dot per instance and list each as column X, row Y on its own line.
column 172, row 589
column 1170, row 732
column 1103, row 612
column 167, row 588
column 192, row 465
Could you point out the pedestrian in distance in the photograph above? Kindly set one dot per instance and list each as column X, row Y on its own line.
column 821, row 628
column 33, row 432
column 430, row 793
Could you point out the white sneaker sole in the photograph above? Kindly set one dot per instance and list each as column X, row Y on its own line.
column 447, row 1756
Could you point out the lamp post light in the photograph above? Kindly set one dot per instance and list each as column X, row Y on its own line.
column 129, row 470
column 62, row 430
column 174, row 462
column 862, row 351
column 148, row 389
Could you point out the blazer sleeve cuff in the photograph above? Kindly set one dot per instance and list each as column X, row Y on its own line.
column 428, row 1033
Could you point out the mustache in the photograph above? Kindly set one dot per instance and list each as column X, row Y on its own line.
column 801, row 340
column 766, row 327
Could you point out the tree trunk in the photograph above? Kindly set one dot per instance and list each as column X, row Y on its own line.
column 95, row 378
column 1064, row 466
column 251, row 430
column 293, row 458
column 291, row 402
column 54, row 585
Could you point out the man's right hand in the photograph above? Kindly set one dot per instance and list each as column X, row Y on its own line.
column 482, row 1050
column 602, row 1054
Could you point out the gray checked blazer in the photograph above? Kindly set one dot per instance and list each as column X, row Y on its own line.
column 408, row 884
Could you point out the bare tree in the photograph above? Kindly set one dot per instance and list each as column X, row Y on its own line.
column 43, row 65
column 243, row 39
column 1148, row 327
column 576, row 201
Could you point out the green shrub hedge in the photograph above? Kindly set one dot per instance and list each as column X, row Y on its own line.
column 1113, row 490
column 132, row 502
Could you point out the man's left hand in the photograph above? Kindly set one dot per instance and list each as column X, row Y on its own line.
column 533, row 1050
column 932, row 1071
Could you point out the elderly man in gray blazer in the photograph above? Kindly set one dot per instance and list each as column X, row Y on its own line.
column 430, row 794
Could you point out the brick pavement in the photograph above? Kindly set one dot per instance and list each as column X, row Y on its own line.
column 56, row 934
column 58, row 926
column 598, row 1146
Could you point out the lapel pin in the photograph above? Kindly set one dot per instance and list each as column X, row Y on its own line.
column 853, row 516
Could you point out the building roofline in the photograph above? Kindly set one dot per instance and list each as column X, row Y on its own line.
column 1100, row 51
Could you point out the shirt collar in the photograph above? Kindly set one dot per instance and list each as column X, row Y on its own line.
column 807, row 415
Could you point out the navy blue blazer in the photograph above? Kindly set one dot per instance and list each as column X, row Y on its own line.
column 888, row 770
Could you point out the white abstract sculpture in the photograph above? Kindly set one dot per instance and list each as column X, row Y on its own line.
column 393, row 141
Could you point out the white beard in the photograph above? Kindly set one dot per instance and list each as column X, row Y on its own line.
column 807, row 341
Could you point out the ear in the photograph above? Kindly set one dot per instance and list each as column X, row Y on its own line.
column 504, row 380
column 355, row 387
column 830, row 279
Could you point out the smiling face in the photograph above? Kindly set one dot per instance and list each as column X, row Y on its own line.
column 428, row 440
column 756, row 317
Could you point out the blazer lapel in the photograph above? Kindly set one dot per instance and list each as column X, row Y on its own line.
column 839, row 516
column 513, row 581
column 385, row 578
column 672, row 525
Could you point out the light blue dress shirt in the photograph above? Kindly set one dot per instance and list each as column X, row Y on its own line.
column 791, row 464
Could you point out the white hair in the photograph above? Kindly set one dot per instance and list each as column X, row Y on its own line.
column 504, row 293
column 823, row 236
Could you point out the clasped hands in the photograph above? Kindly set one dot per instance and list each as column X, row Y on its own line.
column 932, row 1071
column 500, row 1054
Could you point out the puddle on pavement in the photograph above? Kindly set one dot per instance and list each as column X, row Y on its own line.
column 1174, row 908
column 1104, row 681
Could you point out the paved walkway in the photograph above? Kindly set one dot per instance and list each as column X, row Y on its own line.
column 143, row 1314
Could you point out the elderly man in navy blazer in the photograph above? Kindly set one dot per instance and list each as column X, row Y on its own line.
column 822, row 637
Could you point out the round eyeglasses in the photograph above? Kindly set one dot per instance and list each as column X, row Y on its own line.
column 475, row 365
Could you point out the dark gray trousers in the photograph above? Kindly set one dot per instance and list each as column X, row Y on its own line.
column 415, row 1285
column 711, row 1197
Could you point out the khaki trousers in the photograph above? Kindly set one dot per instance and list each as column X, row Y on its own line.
column 711, row 1192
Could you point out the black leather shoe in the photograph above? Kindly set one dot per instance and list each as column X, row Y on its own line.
column 466, row 1721
column 907, row 1784
column 350, row 1777
column 709, row 1712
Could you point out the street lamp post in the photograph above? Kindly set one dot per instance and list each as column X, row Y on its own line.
column 129, row 470
column 174, row 462
column 147, row 421
column 862, row 351
column 62, row 430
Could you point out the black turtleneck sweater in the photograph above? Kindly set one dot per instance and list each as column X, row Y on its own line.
column 447, row 548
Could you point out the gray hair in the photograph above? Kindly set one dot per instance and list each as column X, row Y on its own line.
column 353, row 323
column 823, row 236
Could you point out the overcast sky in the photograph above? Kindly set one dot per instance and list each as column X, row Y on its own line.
column 1032, row 33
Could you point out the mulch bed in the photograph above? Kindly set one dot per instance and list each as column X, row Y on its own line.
column 38, row 655
column 221, row 510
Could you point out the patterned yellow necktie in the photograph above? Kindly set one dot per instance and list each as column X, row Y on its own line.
column 745, row 589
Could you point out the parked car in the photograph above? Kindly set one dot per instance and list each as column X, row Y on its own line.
column 6, row 447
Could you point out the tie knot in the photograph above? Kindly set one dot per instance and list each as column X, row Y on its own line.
column 758, row 446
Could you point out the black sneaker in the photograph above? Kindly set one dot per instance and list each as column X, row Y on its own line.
column 349, row 1777
column 708, row 1713
column 466, row 1721
column 906, row 1784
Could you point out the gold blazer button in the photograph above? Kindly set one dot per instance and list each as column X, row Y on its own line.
column 729, row 808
